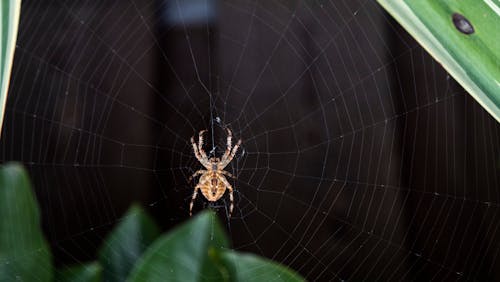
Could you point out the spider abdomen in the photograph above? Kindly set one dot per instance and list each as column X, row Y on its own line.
column 212, row 188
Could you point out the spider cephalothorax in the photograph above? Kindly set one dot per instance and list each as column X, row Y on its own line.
column 212, row 183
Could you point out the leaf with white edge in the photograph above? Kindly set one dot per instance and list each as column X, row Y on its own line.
column 9, row 21
column 461, row 35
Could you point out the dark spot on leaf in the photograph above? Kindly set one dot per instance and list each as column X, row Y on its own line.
column 462, row 24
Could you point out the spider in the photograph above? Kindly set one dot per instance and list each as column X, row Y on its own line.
column 212, row 182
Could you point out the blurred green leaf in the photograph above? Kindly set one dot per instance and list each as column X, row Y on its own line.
column 9, row 21
column 126, row 243
column 248, row 268
column 24, row 253
column 80, row 273
column 183, row 254
column 471, row 58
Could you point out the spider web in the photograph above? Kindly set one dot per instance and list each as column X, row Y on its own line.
column 361, row 158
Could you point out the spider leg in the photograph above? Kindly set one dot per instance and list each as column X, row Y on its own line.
column 199, row 153
column 192, row 199
column 227, row 160
column 195, row 149
column 200, row 144
column 228, row 144
column 230, row 188
column 227, row 173
column 231, row 199
column 201, row 171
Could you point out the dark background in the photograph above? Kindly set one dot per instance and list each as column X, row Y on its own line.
column 361, row 157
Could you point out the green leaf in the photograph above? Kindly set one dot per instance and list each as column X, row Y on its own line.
column 24, row 253
column 126, row 243
column 9, row 21
column 247, row 268
column 472, row 59
column 81, row 273
column 183, row 254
